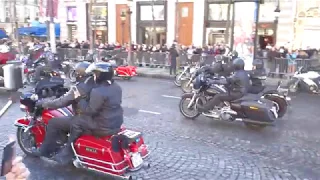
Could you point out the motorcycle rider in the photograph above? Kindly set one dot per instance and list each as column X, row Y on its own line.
column 51, row 62
column 103, row 106
column 237, row 84
column 257, row 76
column 219, row 67
column 60, row 125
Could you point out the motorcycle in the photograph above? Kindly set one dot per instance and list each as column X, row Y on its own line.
column 114, row 155
column 252, row 110
column 187, row 71
column 304, row 80
column 121, row 69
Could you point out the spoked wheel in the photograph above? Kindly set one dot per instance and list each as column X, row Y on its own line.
column 190, row 113
column 177, row 79
column 185, row 86
column 26, row 141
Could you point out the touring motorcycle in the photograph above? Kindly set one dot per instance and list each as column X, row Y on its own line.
column 254, row 111
column 121, row 69
column 114, row 155
column 305, row 79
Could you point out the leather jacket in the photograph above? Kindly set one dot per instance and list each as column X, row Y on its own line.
column 104, row 106
column 217, row 69
column 239, row 82
column 85, row 85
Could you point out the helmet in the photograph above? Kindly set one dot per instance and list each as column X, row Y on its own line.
column 238, row 64
column 106, row 58
column 234, row 54
column 80, row 68
column 102, row 71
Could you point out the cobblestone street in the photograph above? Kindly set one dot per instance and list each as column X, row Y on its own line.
column 202, row 149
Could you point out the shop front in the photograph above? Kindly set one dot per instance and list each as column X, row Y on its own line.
column 72, row 22
column 151, row 22
column 99, row 21
column 216, row 21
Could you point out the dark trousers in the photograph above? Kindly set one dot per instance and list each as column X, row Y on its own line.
column 57, row 127
column 173, row 66
column 217, row 99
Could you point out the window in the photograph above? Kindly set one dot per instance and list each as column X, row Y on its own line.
column 100, row 13
column 147, row 15
column 218, row 12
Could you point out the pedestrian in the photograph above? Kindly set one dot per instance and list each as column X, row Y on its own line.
column 173, row 54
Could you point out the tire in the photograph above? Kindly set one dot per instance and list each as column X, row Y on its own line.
column 293, row 90
column 184, row 87
column 21, row 145
column 281, row 103
column 177, row 81
column 182, row 108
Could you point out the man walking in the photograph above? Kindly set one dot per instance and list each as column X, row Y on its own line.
column 173, row 54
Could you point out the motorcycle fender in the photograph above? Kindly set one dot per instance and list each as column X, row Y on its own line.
column 274, row 93
column 22, row 122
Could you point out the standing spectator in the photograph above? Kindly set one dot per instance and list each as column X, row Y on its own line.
column 291, row 57
column 173, row 54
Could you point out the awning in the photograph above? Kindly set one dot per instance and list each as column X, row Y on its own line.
column 40, row 31
column 3, row 34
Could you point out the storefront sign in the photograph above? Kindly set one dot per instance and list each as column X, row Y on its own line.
column 147, row 14
column 71, row 14
column 244, row 31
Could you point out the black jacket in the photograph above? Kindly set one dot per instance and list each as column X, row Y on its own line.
column 104, row 106
column 239, row 82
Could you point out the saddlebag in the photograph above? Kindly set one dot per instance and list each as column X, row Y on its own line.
column 259, row 110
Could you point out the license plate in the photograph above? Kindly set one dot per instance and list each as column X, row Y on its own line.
column 136, row 160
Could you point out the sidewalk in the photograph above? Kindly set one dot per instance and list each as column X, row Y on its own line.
column 163, row 73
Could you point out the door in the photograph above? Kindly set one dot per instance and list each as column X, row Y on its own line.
column 184, row 23
column 122, row 21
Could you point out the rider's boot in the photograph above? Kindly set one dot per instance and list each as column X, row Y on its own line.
column 65, row 156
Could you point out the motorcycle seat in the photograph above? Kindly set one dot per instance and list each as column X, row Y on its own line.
column 248, row 97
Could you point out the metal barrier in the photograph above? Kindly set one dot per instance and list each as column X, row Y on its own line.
column 276, row 66
column 283, row 66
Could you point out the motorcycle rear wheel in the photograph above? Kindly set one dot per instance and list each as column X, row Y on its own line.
column 282, row 105
column 184, row 101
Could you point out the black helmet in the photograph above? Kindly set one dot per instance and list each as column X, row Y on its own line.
column 234, row 54
column 106, row 58
column 103, row 72
column 80, row 69
column 238, row 64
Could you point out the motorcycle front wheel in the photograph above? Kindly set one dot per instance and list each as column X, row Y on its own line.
column 27, row 146
column 185, row 87
column 190, row 113
column 293, row 87
column 177, row 79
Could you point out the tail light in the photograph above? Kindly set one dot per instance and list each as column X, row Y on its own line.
column 25, row 71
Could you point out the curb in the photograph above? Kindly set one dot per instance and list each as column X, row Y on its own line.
column 156, row 76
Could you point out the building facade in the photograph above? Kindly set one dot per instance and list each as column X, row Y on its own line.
column 26, row 11
column 189, row 22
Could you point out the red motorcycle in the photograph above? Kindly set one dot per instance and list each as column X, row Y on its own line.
column 114, row 155
column 120, row 68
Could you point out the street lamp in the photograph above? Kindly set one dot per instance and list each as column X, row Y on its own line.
column 129, row 12
column 123, row 20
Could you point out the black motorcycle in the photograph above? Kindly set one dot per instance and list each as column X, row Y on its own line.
column 254, row 111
